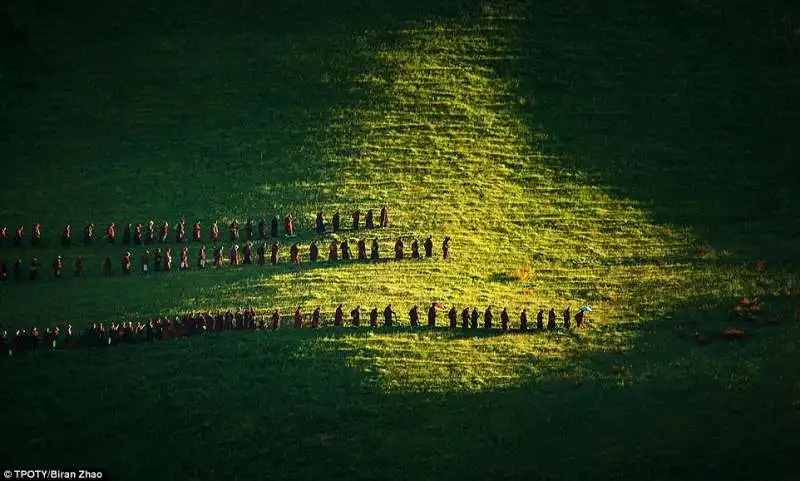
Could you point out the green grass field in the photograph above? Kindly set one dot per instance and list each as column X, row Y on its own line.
column 576, row 153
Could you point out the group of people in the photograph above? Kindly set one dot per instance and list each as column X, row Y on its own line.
column 146, row 234
column 162, row 328
column 162, row 259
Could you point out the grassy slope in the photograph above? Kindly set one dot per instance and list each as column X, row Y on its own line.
column 571, row 160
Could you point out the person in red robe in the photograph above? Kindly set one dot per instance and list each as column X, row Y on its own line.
column 235, row 255
column 452, row 315
column 384, row 216
column 276, row 319
column 338, row 317
column 355, row 316
column 111, row 232
column 163, row 235
column 196, row 232
column 233, row 228
column 78, row 266
column 315, row 318
column 579, row 318
column 413, row 316
column 126, row 263
column 218, row 257
column 333, row 251
column 298, row 318
column 214, row 232
column 36, row 234
column 19, row 233
column 274, row 253
column 362, row 249
column 446, row 248
column 151, row 233
column 398, row 249
column 57, row 266
column 168, row 260
column 3, row 235
column 66, row 236
column 294, row 253
column 428, row 244
column 137, row 234
column 373, row 317
column 369, row 222
column 180, row 232
column 288, row 225
column 184, row 258
column 201, row 258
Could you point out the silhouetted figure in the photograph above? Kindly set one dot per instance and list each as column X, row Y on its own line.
column 78, row 265
column 201, row 257
column 540, row 320
column 298, row 318
column 356, row 219
column 319, row 223
column 373, row 317
column 235, row 255
column 273, row 227
column 214, row 232
column 488, row 317
column 388, row 316
column 333, row 251
column 262, row 229
column 294, row 253
column 474, row 318
column 415, row 249
column 313, row 252
column 126, row 234
column 385, row 216
column 374, row 253
column 432, row 315
column 398, row 249
column 465, row 318
column 567, row 316
column 111, row 233
column 362, row 249
column 504, row 320
column 57, row 266
column 107, row 267
column 233, row 229
column 338, row 317
column 452, row 315
column 413, row 316
column 355, row 316
column 126, row 263
column 36, row 235
column 335, row 222
column 428, row 247
column 164, row 233
column 579, row 318
column 369, row 222
column 274, row 253
column 551, row 319
column 262, row 253
column 247, row 253
column 248, row 229
column 88, row 234
column 276, row 319
column 197, row 232
column 523, row 320
column 315, row 318
column 345, row 249
column 446, row 248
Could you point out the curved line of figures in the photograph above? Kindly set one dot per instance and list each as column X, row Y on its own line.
column 146, row 234
column 163, row 260
column 163, row 328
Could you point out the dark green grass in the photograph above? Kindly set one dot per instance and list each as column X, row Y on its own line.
column 576, row 154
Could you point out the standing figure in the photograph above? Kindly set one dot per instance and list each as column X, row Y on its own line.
column 218, row 259
column 540, row 320
column 248, row 253
column 373, row 317
column 126, row 234
column 248, row 229
column 262, row 253
column 567, row 315
column 298, row 318
column 288, row 225
column 413, row 316
column 551, row 319
column 362, row 249
column 428, row 247
column 163, row 235
column 276, row 319
column 88, row 234
column 145, row 262
column 465, row 318
column 157, row 259
column 319, row 223
column 369, row 223
column 452, row 314
column 57, row 266
column 3, row 235
column 126, row 263
column 356, row 219
column 111, row 232
column 473, row 321
column 184, row 258
column 235, row 255
column 432, row 315
column 313, row 252
column 294, row 253
column 274, row 253
column 168, row 260
column 355, row 316
column 333, row 251
column 338, row 317
column 273, row 228
column 523, row 320
column 36, row 234
column 214, row 232
column 233, row 228
column 488, row 317
column 66, row 236
column 201, row 258
column 262, row 229
column 151, row 233
column 19, row 233
column 18, row 269
column 579, row 318
column 315, row 318
column 197, row 231
column 345, row 248
column 398, row 249
column 388, row 316
column 504, row 320
column 34, row 269
column 107, row 267
column 137, row 234
column 180, row 232
column 446, row 248
column 373, row 253
column 335, row 222
column 384, row 216
column 415, row 249
column 78, row 265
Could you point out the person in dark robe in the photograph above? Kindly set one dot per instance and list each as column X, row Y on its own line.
column 398, row 249
column 78, row 265
column 446, row 248
column 413, row 316
column 356, row 219
column 107, row 267
column 18, row 269
column 36, row 234
column 319, row 223
column 248, row 229
column 126, row 234
column 432, row 315
column 474, row 318
column 385, row 216
column 262, row 229
column 273, row 228
column 465, row 318
column 233, row 228
column 551, row 319
column 374, row 253
column 333, row 251
column 201, row 257
column 335, row 222
column 214, row 230
column 388, row 316
column 288, row 225
column 355, row 316
column 488, row 317
column 452, row 315
column 338, row 317
column 126, row 263
column 369, row 222
column 579, row 318
column 540, row 320
column 145, row 261
column 163, row 235
column 57, row 266
column 298, row 318
column 66, row 236
column 345, row 249
column 88, row 234
column 276, row 319
column 180, row 232
column 248, row 253
column 362, row 249
column 504, row 320
column 111, row 233
column 261, row 251
column 4, row 271
column 3, row 235
column 567, row 316
column 197, row 232
column 294, row 253
column 373, row 317
column 315, row 318
column 313, row 252
column 523, row 320
column 235, row 255
column 137, row 234
column 184, row 265
column 274, row 253
column 157, row 259
column 428, row 247
column 168, row 260
column 151, row 232
column 415, row 249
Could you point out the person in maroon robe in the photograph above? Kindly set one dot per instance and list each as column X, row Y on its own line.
column 36, row 234
column 66, row 236
column 111, row 232
column 57, row 266
column 151, row 233
column 164, row 233
column 452, row 315
column 274, row 253
column 19, row 233
column 389, row 316
column 415, row 249
column 362, row 249
column 276, row 319
column 551, row 319
column 335, row 222
column 294, row 253
column 319, row 223
column 567, row 316
column 428, row 247
column 248, row 253
column 385, row 216
column 288, row 225
column 345, row 249
column 398, row 249
column 298, row 318
column 373, row 317
column 201, row 257
column 504, row 320
column 333, row 251
column 540, row 320
column 313, row 254
column 78, row 265
column 218, row 257
column 579, row 318
column 196, row 232
column 262, row 229
column 180, row 232
column 374, row 250
column 126, row 234
column 356, row 219
column 214, row 232
column 523, row 320
column 107, row 267
column 488, row 317
column 233, row 228
column 413, row 316
column 432, row 315
column 446, row 248
column 137, row 234
column 338, row 316
column 3, row 235
column 235, row 255
column 369, row 222
column 184, row 258
column 465, row 318
column 168, row 260
column 126, row 263
column 355, row 316
column 315, row 318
